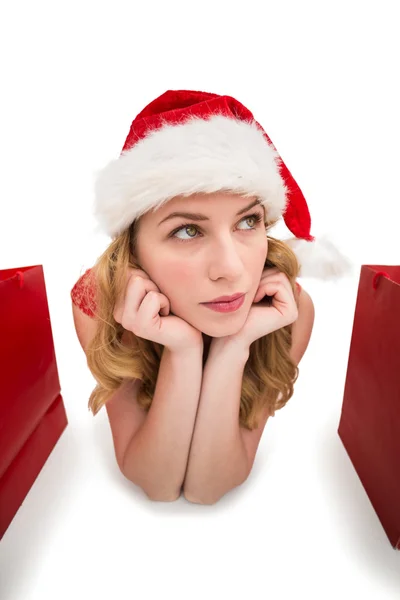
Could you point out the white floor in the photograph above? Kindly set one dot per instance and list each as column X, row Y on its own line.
column 302, row 525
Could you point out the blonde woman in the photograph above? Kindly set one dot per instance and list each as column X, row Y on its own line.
column 189, row 379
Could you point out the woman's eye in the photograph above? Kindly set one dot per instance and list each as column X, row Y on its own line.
column 255, row 217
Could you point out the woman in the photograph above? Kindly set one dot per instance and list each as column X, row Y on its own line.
column 188, row 385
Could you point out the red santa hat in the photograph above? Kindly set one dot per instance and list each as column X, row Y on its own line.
column 185, row 142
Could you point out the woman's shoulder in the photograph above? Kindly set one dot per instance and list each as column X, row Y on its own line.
column 83, row 293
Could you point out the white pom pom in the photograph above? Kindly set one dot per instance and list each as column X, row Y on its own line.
column 319, row 259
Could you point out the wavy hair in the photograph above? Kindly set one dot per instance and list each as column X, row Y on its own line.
column 115, row 354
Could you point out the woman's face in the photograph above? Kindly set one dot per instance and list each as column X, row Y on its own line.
column 220, row 254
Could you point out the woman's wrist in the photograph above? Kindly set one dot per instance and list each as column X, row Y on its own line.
column 190, row 348
column 229, row 345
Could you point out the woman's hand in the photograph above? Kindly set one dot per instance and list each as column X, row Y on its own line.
column 279, row 310
column 144, row 310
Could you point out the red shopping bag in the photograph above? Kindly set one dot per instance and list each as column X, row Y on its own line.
column 370, row 420
column 32, row 413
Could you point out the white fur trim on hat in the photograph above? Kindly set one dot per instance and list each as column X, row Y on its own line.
column 199, row 155
column 319, row 258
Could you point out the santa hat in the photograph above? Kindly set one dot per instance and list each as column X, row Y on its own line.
column 185, row 142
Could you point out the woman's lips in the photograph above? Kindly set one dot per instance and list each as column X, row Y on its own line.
column 225, row 307
column 225, row 298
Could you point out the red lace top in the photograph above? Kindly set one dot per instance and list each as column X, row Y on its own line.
column 83, row 293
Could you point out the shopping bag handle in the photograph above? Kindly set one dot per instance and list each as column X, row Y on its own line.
column 377, row 276
column 20, row 276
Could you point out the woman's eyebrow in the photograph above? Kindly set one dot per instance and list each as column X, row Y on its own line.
column 200, row 217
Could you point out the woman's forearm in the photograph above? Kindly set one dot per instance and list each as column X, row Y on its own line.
column 156, row 458
column 217, row 460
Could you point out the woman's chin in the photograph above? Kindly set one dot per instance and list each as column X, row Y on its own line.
column 207, row 337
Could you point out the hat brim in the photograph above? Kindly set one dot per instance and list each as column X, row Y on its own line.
column 197, row 156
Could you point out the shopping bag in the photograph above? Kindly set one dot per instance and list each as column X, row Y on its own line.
column 32, row 413
column 370, row 420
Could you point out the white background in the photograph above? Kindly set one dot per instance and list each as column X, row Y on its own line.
column 322, row 78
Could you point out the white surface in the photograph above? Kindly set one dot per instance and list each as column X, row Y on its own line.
column 322, row 80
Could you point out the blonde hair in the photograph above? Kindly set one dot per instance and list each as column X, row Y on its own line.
column 269, row 374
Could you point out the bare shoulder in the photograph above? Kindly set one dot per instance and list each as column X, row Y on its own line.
column 124, row 413
column 303, row 326
column 85, row 326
